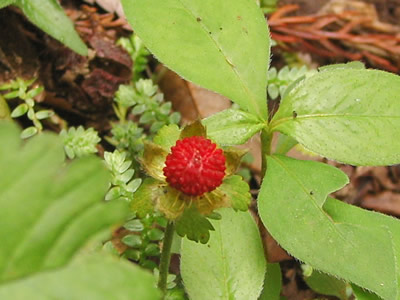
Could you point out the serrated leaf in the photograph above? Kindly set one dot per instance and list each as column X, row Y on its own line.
column 193, row 225
column 347, row 243
column 341, row 115
column 231, row 265
column 49, row 16
column 349, row 65
column 153, row 161
column 19, row 110
column 232, row 126
column 327, row 285
column 237, row 192
column 213, row 57
column 80, row 280
column 361, row 294
column 58, row 209
column 167, row 136
column 193, row 129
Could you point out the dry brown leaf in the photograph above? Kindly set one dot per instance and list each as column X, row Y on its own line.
column 192, row 101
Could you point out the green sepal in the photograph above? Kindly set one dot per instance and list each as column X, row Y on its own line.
column 194, row 225
column 194, row 129
column 167, row 136
column 171, row 202
column 144, row 198
column 153, row 160
column 233, row 158
column 236, row 192
column 208, row 202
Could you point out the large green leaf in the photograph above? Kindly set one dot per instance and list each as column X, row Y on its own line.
column 338, row 239
column 230, row 266
column 98, row 277
column 220, row 45
column 49, row 16
column 272, row 283
column 4, row 3
column 350, row 115
column 232, row 127
column 47, row 212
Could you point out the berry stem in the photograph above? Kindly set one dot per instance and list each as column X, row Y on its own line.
column 165, row 258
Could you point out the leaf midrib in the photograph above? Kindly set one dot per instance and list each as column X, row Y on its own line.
column 251, row 97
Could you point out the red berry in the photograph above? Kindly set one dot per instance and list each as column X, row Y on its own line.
column 195, row 166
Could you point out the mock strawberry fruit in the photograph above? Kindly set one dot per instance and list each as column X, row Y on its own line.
column 195, row 166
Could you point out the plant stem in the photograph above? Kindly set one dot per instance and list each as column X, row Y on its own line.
column 165, row 258
column 266, row 138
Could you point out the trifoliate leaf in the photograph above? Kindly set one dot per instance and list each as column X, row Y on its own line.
column 237, row 192
column 194, row 225
column 167, row 136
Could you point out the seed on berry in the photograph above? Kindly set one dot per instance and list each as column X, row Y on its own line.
column 195, row 166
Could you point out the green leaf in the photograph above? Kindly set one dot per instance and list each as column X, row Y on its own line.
column 194, row 225
column 347, row 243
column 272, row 283
column 49, row 16
column 167, row 136
column 237, row 191
column 81, row 280
column 350, row 115
column 230, row 266
column 361, row 294
column 132, row 240
column 28, row 132
column 19, row 110
column 327, row 285
column 47, row 212
column 44, row 114
column 4, row 3
column 223, row 46
column 232, row 126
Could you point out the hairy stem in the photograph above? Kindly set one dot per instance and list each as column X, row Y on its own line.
column 165, row 258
